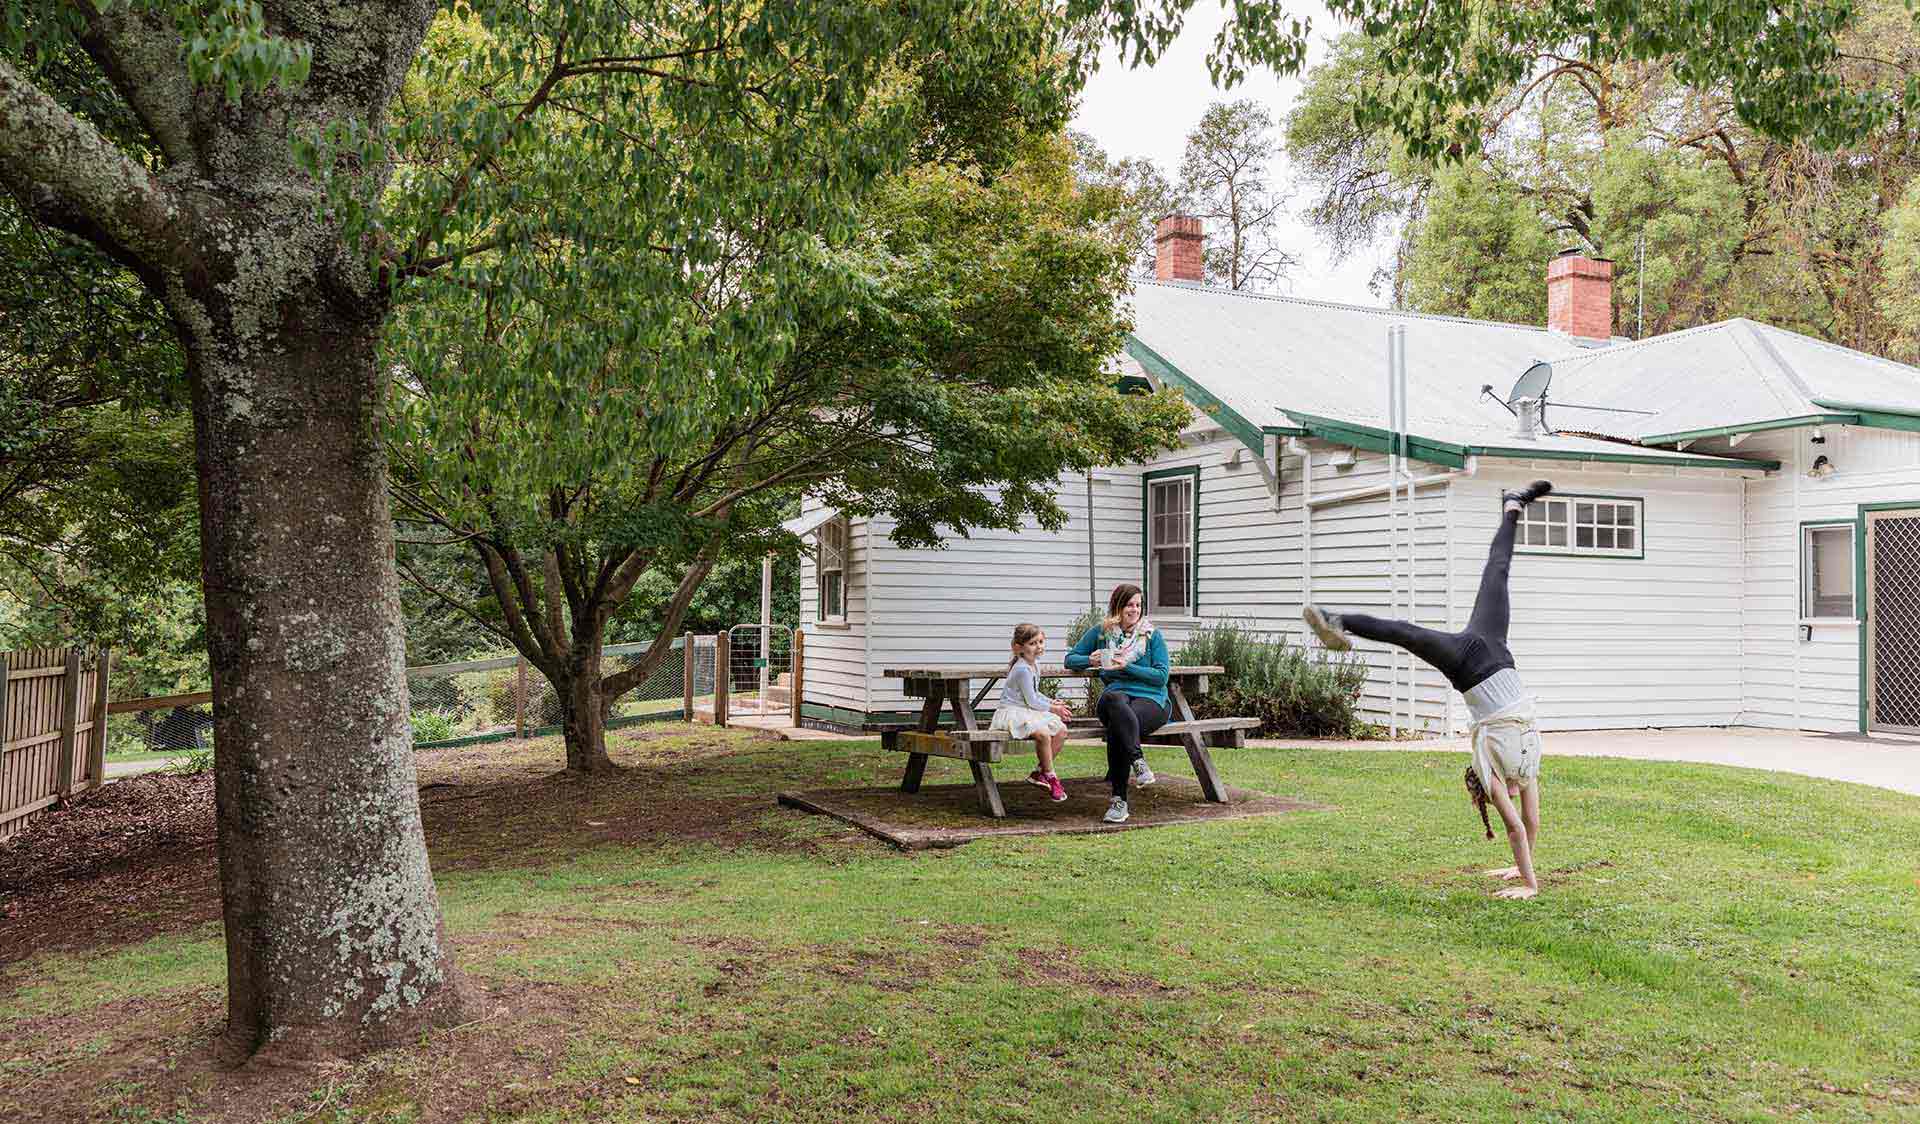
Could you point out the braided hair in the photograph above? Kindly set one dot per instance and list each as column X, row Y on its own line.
column 1477, row 792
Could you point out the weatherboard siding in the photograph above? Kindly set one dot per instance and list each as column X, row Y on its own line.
column 1790, row 682
column 836, row 657
column 1620, row 643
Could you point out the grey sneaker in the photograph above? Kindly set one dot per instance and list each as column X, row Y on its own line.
column 1116, row 810
column 1327, row 627
column 1142, row 775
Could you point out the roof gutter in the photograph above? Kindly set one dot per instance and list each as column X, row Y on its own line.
column 1753, row 427
column 1877, row 416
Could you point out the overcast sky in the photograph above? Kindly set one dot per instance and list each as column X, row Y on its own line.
column 1148, row 112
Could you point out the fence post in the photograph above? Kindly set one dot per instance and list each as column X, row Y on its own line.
column 97, row 746
column 722, row 674
column 519, row 696
column 797, row 694
column 686, row 676
column 69, row 722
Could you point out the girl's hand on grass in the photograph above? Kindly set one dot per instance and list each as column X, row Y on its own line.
column 1504, row 874
column 1517, row 893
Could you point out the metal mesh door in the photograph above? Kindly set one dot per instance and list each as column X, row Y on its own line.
column 1893, row 621
column 760, row 671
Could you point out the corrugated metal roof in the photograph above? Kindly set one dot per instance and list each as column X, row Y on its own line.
column 1270, row 359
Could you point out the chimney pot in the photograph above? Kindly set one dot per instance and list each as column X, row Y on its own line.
column 1177, row 249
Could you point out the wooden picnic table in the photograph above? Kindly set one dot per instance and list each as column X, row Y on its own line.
column 952, row 688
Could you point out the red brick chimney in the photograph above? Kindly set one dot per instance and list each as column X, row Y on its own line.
column 1177, row 243
column 1580, row 296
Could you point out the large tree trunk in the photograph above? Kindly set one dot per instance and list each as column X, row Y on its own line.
column 335, row 939
column 583, row 707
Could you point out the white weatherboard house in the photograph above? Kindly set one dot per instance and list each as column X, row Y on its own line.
column 1743, row 549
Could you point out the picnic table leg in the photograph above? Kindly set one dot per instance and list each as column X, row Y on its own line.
column 1196, row 747
column 983, row 783
column 917, row 762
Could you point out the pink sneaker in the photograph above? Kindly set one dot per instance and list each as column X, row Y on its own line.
column 1055, row 791
column 1038, row 779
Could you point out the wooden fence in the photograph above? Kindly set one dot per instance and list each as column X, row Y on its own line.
column 53, row 729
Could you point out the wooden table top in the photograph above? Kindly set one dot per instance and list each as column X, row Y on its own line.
column 1052, row 671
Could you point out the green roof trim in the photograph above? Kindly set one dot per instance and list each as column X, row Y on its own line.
column 1379, row 440
column 1704, row 460
column 1208, row 404
column 1876, row 416
column 1751, row 427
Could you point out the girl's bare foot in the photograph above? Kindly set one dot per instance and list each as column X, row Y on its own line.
column 1504, row 874
column 1516, row 893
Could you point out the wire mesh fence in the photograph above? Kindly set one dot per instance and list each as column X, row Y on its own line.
column 175, row 728
column 503, row 695
column 498, row 695
column 760, row 671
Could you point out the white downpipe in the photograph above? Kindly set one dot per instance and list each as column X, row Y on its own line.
column 1335, row 499
column 1306, row 520
column 1396, row 457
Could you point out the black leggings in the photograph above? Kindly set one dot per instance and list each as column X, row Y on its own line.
column 1127, row 719
column 1467, row 658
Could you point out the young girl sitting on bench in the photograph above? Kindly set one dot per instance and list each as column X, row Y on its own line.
column 1026, row 713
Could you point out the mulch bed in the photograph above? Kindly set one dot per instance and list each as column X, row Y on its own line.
column 136, row 858
column 948, row 815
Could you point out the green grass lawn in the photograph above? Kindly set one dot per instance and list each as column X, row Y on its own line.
column 1710, row 944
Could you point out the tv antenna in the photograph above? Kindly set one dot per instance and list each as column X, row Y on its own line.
column 1528, row 400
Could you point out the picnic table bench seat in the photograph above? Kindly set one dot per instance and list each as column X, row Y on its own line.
column 944, row 688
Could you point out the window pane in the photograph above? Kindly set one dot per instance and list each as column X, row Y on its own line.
column 1170, row 579
column 1625, row 515
column 1583, row 538
column 1536, row 534
column 1603, row 538
column 1626, row 538
column 1557, row 535
column 1604, row 513
column 1557, row 511
column 1583, row 512
column 1829, row 572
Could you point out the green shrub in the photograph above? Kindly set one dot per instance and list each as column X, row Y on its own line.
column 191, row 763
column 1292, row 693
column 431, row 726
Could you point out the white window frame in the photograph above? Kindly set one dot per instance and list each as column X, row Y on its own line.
column 1189, row 479
column 1808, row 598
column 832, row 557
column 1557, row 518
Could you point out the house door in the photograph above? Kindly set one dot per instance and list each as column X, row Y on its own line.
column 1893, row 621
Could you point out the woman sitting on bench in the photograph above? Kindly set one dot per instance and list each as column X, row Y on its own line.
column 1131, row 657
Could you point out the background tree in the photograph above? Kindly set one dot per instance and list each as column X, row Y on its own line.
column 1226, row 178
column 1133, row 190
column 1614, row 151
column 947, row 365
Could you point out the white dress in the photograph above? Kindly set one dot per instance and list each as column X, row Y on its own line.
column 1023, row 710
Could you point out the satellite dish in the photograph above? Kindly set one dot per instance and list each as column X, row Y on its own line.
column 1533, row 384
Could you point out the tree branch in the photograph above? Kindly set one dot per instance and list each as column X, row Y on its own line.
column 65, row 173
column 139, row 50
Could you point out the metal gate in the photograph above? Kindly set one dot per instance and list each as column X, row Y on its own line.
column 1893, row 621
column 760, row 672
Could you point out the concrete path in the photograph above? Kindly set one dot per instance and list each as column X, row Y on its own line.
column 1882, row 761
column 120, row 770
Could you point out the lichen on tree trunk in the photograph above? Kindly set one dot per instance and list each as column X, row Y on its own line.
column 334, row 933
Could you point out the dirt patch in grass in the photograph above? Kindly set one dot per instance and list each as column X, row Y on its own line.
column 949, row 815
column 136, row 859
